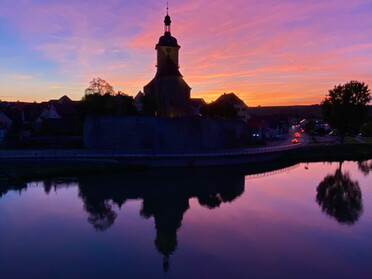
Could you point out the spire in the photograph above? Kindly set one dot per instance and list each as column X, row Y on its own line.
column 167, row 23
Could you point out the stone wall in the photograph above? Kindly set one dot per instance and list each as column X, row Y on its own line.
column 147, row 134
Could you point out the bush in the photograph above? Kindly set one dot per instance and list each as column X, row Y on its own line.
column 366, row 129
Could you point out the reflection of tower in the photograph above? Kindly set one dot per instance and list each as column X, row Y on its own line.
column 161, row 199
column 167, row 88
column 168, row 215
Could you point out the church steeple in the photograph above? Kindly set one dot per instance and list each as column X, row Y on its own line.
column 167, row 51
column 168, row 89
column 167, row 23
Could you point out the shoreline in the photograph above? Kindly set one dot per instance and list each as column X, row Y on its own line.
column 43, row 169
column 331, row 153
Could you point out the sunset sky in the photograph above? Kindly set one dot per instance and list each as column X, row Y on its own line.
column 269, row 52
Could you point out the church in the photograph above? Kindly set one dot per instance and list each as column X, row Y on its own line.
column 173, row 127
column 168, row 89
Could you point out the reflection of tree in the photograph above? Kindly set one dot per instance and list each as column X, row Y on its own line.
column 47, row 186
column 365, row 167
column 214, row 197
column 340, row 197
column 5, row 187
column 101, row 214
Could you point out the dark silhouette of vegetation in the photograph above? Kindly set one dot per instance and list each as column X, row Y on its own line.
column 100, row 98
column 366, row 129
column 99, row 86
column 149, row 105
column 309, row 127
column 121, row 104
column 345, row 107
column 101, row 215
column 340, row 197
column 217, row 109
column 365, row 167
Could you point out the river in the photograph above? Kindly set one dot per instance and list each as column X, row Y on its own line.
column 303, row 221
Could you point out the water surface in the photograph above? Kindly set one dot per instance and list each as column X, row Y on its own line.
column 302, row 221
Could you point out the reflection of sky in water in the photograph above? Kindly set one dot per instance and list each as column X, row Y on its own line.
column 275, row 229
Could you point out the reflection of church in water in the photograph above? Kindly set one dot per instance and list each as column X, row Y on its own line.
column 164, row 197
column 168, row 89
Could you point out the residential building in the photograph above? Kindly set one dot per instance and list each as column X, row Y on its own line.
column 239, row 105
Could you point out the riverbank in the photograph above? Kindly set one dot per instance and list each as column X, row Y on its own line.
column 330, row 152
column 46, row 168
column 51, row 169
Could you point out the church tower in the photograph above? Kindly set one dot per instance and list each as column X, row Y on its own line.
column 168, row 89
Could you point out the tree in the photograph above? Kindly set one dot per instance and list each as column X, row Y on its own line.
column 99, row 86
column 94, row 103
column 121, row 104
column 149, row 105
column 345, row 107
column 100, row 98
column 309, row 127
column 366, row 129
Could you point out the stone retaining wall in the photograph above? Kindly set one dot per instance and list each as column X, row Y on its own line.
column 138, row 133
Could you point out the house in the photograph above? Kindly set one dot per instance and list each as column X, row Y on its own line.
column 58, row 109
column 58, row 117
column 239, row 105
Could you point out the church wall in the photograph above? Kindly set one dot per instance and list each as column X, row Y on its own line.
column 172, row 94
column 135, row 134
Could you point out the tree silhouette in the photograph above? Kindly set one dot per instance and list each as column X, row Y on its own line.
column 99, row 86
column 365, row 167
column 149, row 105
column 101, row 215
column 340, row 197
column 100, row 98
column 345, row 107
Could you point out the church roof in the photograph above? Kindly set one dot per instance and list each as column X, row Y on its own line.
column 167, row 40
column 166, row 79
